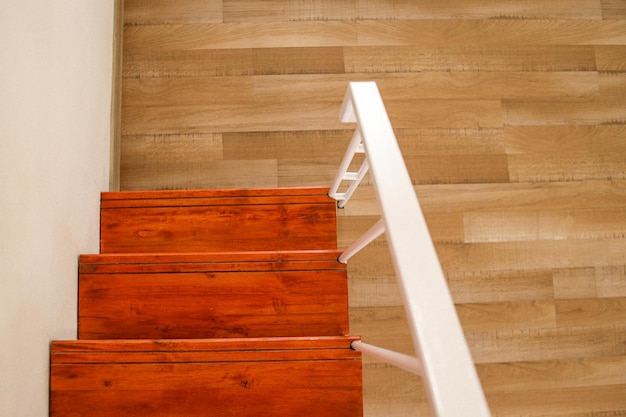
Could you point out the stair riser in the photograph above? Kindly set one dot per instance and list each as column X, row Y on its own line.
column 217, row 377
column 299, row 388
column 170, row 223
column 213, row 304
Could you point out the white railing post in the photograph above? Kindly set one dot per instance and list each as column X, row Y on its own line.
column 406, row 362
column 444, row 361
column 365, row 239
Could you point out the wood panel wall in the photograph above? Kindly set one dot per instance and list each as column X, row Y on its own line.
column 512, row 119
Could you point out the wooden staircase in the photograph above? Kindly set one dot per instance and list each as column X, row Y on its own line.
column 211, row 302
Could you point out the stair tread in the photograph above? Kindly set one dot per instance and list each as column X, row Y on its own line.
column 203, row 350
column 200, row 295
column 111, row 199
column 60, row 347
column 211, row 261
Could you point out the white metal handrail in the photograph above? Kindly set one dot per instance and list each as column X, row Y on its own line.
column 442, row 357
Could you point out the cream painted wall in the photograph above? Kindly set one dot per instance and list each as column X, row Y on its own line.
column 55, row 98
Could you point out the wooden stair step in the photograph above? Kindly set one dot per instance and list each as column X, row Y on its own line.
column 204, row 295
column 220, row 377
column 217, row 220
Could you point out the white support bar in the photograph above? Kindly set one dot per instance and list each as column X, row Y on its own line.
column 450, row 377
column 365, row 239
column 355, row 183
column 406, row 362
column 354, row 147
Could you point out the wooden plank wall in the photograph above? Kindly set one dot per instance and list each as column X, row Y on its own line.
column 512, row 119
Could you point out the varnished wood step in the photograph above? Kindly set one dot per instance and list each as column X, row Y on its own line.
column 217, row 220
column 204, row 295
column 217, row 377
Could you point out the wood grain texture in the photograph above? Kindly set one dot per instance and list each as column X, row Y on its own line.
column 289, row 10
column 478, row 9
column 87, row 351
column 611, row 58
column 415, row 58
column 190, row 378
column 239, row 35
column 217, row 221
column 544, row 225
column 510, row 32
column 246, row 10
column 147, row 296
column 574, row 139
column 610, row 110
column 613, row 9
column 155, row 12
column 175, row 160
column 511, row 117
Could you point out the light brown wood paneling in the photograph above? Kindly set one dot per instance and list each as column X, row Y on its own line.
column 288, row 10
column 510, row 225
column 415, row 58
column 609, row 110
column 239, row 35
column 491, row 32
column 479, row 9
column 163, row 12
column 578, row 139
column 611, row 58
column 613, row 9
column 611, row 281
column 591, row 312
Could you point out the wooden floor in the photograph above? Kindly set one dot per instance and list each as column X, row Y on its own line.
column 512, row 119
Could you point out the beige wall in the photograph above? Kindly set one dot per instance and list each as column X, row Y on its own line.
column 55, row 84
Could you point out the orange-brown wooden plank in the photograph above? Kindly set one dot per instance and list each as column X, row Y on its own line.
column 135, row 304
column 218, row 196
column 328, row 388
column 206, row 229
column 142, row 202
column 61, row 348
column 100, row 358
column 210, row 261
column 328, row 384
column 237, row 220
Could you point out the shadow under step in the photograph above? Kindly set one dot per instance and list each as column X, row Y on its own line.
column 217, row 220
column 206, row 295
column 221, row 377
